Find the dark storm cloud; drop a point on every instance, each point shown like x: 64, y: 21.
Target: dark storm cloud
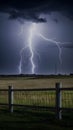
x: 31, y: 9
x: 27, y: 15
x: 22, y: 10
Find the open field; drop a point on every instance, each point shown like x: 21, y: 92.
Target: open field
x: 36, y: 118
x: 37, y: 98
x: 28, y: 82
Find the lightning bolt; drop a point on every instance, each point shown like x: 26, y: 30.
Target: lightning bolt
x: 30, y: 45
x: 56, y: 43
x: 20, y: 64
x: 31, y: 49
x: 33, y: 31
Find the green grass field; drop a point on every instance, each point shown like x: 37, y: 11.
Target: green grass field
x: 35, y: 119
x: 44, y: 98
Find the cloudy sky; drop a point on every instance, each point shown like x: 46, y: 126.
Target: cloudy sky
x: 36, y: 36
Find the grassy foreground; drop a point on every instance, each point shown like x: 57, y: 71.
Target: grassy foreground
x: 32, y: 119
x: 37, y: 98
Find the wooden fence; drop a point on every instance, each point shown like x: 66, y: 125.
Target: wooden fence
x: 55, y: 101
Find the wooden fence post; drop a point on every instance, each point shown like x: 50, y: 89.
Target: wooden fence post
x: 10, y: 98
x: 58, y: 101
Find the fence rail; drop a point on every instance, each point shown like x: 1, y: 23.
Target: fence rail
x: 57, y: 98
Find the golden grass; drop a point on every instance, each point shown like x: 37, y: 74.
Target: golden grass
x: 22, y: 82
